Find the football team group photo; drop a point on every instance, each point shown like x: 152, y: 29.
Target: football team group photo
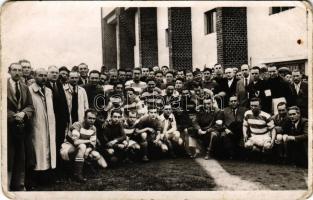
x: 156, y: 98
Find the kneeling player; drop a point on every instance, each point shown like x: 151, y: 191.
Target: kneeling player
x: 258, y: 128
x: 170, y: 128
x: 129, y: 127
x: 82, y: 140
x: 112, y: 137
x: 146, y: 130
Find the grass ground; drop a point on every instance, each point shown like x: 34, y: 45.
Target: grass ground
x: 190, y: 175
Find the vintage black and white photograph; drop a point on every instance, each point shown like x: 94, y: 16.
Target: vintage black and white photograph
x: 165, y: 97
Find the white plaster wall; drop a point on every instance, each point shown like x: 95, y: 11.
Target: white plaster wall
x: 273, y: 38
x: 204, y: 47
x: 162, y: 23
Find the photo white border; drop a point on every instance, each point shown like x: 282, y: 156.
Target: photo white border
x: 86, y: 195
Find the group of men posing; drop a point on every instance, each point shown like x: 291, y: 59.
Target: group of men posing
x: 57, y: 115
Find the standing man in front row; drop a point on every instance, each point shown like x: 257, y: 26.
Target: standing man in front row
x: 20, y: 112
x: 43, y: 125
x: 258, y: 128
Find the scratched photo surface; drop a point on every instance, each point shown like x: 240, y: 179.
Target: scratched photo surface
x: 156, y: 100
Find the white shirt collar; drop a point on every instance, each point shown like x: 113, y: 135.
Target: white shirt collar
x: 12, y: 82
x: 162, y: 118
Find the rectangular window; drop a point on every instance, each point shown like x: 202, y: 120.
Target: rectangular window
x: 274, y: 10
x: 166, y: 37
x: 210, y: 21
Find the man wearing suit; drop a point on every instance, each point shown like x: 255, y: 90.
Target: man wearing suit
x: 233, y: 119
x: 230, y: 89
x: 241, y: 89
x: 83, y: 70
x: 56, y: 83
x: 299, y: 90
x: 296, y: 137
x: 204, y: 124
x: 278, y: 89
x: 26, y: 67
x: 19, y: 113
x: 257, y: 89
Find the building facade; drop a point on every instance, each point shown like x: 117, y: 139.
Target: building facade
x: 196, y: 37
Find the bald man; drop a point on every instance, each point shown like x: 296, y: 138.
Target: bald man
x: 61, y: 109
x: 230, y: 89
x: 43, y: 123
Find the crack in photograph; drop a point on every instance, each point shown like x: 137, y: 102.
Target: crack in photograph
x: 158, y: 97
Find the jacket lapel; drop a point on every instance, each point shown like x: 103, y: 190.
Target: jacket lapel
x: 303, y: 89
x: 24, y: 94
x: 10, y: 95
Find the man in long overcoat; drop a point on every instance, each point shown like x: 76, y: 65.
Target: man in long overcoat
x: 43, y: 123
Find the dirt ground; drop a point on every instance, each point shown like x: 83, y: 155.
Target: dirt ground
x: 190, y: 175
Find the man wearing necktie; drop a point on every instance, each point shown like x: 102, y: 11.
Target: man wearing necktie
x: 19, y: 113
x: 56, y: 79
x: 27, y: 69
x: 296, y: 137
x: 203, y: 125
x: 300, y: 93
x: 76, y: 98
x: 53, y: 75
x: 233, y: 118
x: 242, y: 86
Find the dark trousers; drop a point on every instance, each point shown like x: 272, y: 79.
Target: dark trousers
x: 218, y: 143
x: 297, y: 152
x: 16, y: 163
x: 60, y: 136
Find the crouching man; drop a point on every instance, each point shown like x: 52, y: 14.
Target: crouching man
x: 112, y: 138
x: 129, y: 128
x: 258, y: 128
x: 146, y: 130
x: 172, y: 135
x: 81, y: 143
x: 295, y: 138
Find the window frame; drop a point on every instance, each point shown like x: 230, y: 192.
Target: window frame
x: 210, y: 21
x: 277, y: 10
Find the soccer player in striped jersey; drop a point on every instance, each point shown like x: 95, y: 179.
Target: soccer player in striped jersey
x: 258, y: 128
